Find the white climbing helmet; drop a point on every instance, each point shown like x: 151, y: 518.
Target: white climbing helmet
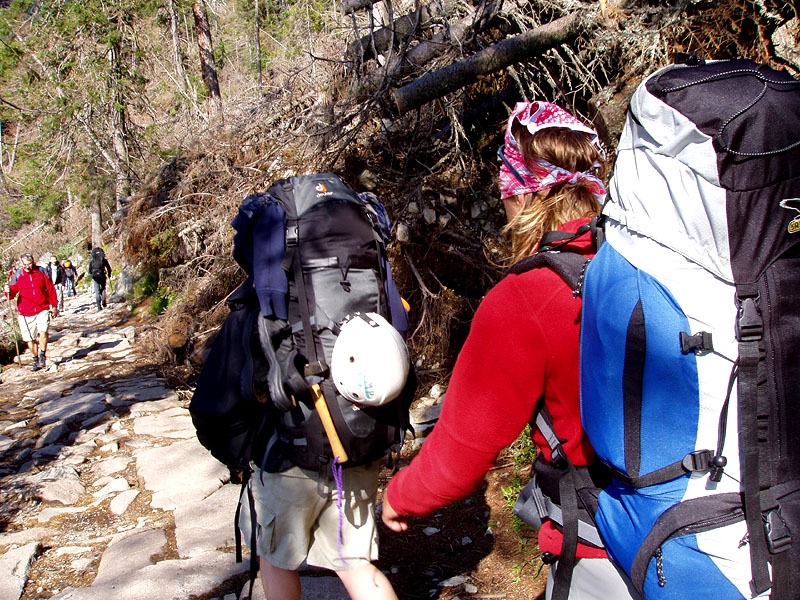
x: 369, y: 363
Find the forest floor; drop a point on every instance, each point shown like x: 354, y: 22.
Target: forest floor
x: 479, y: 549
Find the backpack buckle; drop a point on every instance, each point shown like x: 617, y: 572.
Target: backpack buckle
x: 779, y: 538
x: 749, y: 324
x: 699, y: 460
x: 700, y: 343
x: 318, y: 368
x: 292, y: 234
x: 558, y: 458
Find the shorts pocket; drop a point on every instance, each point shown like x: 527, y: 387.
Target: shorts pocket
x: 265, y: 535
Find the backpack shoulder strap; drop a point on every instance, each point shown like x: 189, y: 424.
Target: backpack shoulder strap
x: 554, y: 254
x: 376, y: 211
x: 570, y: 266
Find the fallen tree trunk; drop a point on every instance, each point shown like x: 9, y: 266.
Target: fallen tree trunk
x: 379, y: 41
x: 418, y: 56
x: 351, y: 6
x: 508, y: 52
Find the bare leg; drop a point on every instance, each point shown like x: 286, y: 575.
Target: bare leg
x: 279, y: 584
x: 367, y: 583
x: 33, y: 345
x: 42, y: 348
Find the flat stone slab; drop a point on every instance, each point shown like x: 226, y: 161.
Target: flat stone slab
x: 327, y: 587
x: 142, y: 408
x: 70, y: 409
x: 128, y: 552
x: 165, y: 580
x: 172, y: 423
x: 207, y: 525
x: 183, y: 473
x: 14, y: 568
x: 57, y: 484
x: 31, y: 534
x: 122, y: 501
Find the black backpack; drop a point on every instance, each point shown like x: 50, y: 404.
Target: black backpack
x: 96, y: 267
x: 314, y: 252
x: 230, y: 407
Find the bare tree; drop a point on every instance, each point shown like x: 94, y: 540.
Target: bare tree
x: 176, y: 45
x: 121, y: 163
x: 438, y: 83
x: 258, y: 48
x: 206, y: 47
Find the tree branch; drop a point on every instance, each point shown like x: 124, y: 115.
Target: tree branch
x: 508, y: 52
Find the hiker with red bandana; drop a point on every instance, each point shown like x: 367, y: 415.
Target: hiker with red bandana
x: 37, y: 303
x: 523, y: 348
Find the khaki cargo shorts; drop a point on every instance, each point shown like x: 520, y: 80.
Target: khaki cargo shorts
x: 299, y: 520
x: 30, y: 327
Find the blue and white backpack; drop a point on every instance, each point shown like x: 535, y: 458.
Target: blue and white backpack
x: 690, y: 352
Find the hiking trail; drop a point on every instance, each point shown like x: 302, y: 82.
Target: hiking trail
x: 104, y: 490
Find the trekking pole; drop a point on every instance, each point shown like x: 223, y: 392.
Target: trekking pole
x: 327, y: 423
x: 11, y: 315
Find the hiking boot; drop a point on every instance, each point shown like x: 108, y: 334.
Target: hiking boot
x: 35, y: 366
x: 42, y: 362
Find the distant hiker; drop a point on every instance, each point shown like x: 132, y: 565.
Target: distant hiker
x: 36, y: 304
x: 522, y: 353
x: 72, y: 275
x: 99, y: 271
x: 55, y: 271
x: 13, y: 272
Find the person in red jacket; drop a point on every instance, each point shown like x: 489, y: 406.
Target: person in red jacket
x: 36, y: 304
x: 523, y: 344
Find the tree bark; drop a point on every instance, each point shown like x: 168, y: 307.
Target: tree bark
x: 508, y: 52
x: 95, y: 209
x: 206, y: 47
x: 418, y: 56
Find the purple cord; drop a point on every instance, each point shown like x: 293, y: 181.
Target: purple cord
x: 337, y: 477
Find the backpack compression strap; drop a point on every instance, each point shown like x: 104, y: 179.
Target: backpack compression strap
x: 577, y: 492
x: 587, y: 531
x: 769, y: 534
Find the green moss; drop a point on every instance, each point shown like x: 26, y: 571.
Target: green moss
x: 161, y: 302
x: 145, y: 287
x: 164, y: 243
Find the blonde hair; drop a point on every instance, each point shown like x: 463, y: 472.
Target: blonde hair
x: 546, y: 210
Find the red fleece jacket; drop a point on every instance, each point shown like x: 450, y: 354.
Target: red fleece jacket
x: 523, y: 342
x: 36, y: 292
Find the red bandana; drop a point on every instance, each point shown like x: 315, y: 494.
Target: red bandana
x: 518, y: 178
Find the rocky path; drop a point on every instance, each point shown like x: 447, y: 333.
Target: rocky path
x: 105, y: 492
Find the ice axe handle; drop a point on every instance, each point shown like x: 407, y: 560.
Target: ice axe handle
x: 327, y: 423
